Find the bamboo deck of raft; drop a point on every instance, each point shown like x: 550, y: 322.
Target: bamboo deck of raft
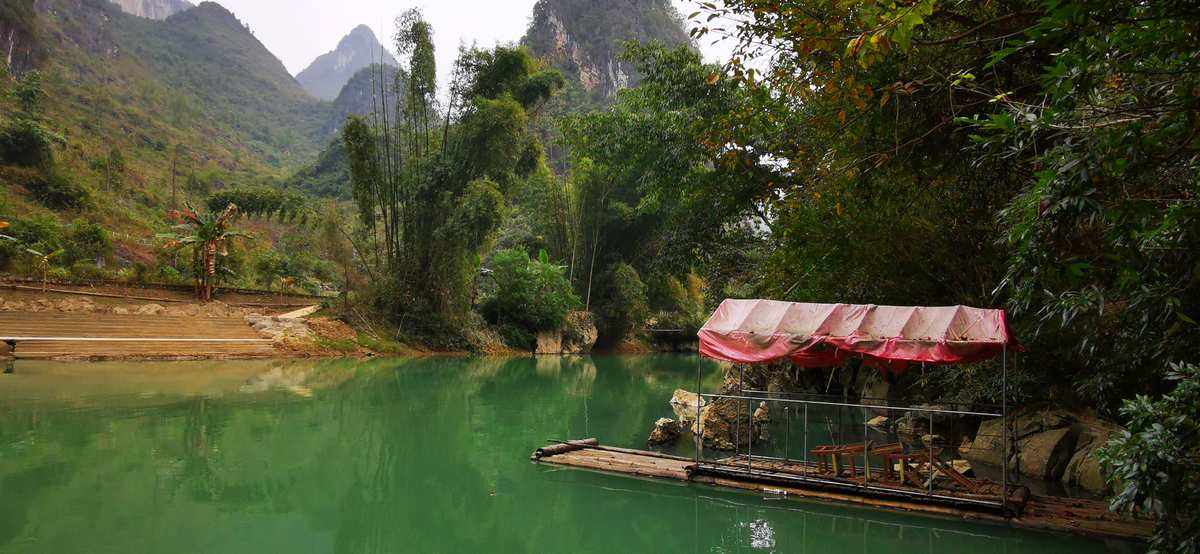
x: 1068, y: 515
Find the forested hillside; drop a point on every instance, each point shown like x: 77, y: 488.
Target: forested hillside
x: 231, y: 77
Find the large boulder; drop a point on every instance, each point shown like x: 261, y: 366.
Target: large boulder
x: 716, y: 425
x: 1045, y: 455
x: 1084, y: 469
x: 150, y: 309
x: 577, y: 336
x: 579, y: 333
x: 684, y: 405
x: 665, y: 430
x: 724, y: 421
x: 1050, y: 444
x: 280, y: 330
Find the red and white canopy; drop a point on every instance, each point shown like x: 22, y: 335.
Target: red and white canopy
x: 824, y: 335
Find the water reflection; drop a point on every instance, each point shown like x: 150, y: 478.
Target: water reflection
x: 427, y: 455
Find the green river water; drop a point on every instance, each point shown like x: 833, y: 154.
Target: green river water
x: 422, y: 455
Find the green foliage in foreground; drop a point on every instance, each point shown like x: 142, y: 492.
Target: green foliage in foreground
x: 531, y: 293
x: 1155, y: 464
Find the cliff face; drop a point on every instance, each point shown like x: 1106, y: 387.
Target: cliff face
x: 153, y: 9
x: 330, y: 72
x: 582, y: 38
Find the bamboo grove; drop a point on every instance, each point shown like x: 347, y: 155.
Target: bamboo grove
x: 432, y: 181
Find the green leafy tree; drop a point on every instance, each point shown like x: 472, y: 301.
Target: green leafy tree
x: 625, y: 309
x: 1155, y: 464
x: 659, y: 166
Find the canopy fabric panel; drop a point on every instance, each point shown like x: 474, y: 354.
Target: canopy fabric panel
x: 824, y: 335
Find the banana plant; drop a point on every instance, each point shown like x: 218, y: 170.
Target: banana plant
x: 209, y: 235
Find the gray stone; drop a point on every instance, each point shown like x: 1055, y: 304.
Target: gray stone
x: 1048, y: 446
x: 684, y: 405
x: 579, y: 333
x: 1084, y: 469
x: 1046, y: 455
x: 665, y: 430
x: 879, y: 423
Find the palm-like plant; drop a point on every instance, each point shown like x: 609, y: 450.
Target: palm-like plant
x: 42, y: 259
x: 43, y: 264
x: 209, y: 235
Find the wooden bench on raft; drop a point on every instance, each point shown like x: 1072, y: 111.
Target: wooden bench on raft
x: 828, y: 456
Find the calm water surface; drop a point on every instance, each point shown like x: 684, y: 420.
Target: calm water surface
x: 426, y: 455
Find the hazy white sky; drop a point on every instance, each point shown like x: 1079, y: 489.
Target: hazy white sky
x: 298, y: 31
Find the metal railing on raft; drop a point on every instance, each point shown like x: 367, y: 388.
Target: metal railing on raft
x: 1006, y: 439
x: 743, y: 462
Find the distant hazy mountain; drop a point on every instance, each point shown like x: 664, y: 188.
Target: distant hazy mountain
x: 330, y: 72
x: 582, y: 38
x: 361, y: 95
x: 153, y: 9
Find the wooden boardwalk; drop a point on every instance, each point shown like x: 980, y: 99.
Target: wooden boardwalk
x: 1076, y: 516
x: 53, y: 335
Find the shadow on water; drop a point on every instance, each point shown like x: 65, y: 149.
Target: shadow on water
x: 420, y: 455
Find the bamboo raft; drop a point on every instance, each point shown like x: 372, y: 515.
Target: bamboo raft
x: 1082, y: 517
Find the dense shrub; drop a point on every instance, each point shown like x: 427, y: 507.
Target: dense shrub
x: 531, y: 294
x: 58, y: 192
x: 26, y: 143
x: 295, y: 259
x: 87, y: 271
x: 683, y: 304
x: 86, y: 241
